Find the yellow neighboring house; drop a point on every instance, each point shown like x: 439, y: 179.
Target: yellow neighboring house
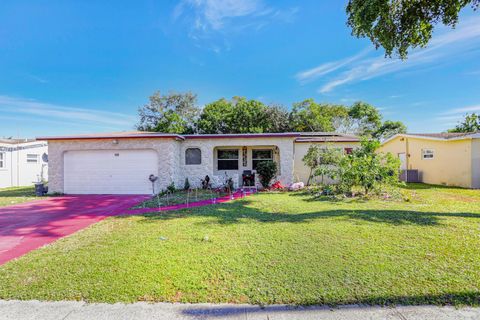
x: 441, y: 158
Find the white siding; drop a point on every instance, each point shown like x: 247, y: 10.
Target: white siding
x: 17, y: 171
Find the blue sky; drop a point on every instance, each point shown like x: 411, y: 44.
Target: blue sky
x: 70, y: 67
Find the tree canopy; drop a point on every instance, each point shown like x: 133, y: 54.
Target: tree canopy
x: 471, y: 123
x: 309, y: 115
x: 170, y: 113
x: 388, y: 129
x: 239, y: 115
x: 399, y: 25
x: 179, y: 113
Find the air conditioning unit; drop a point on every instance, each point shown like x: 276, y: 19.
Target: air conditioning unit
x: 409, y: 175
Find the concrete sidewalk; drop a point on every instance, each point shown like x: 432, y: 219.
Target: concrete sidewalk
x: 159, y: 311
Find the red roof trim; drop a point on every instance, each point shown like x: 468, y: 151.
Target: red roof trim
x: 110, y: 137
x: 241, y: 135
x: 324, y: 141
x: 300, y: 136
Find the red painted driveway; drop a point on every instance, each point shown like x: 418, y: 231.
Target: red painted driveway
x: 28, y: 226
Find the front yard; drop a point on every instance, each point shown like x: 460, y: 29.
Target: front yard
x: 9, y: 196
x: 269, y: 248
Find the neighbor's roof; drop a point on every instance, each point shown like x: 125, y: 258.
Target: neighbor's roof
x: 301, y: 136
x: 326, y: 137
x: 443, y: 136
x: 15, y: 141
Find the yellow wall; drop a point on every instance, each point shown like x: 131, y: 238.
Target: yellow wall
x: 451, y: 165
x: 300, y: 171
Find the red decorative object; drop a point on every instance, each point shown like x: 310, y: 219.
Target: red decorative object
x: 277, y: 186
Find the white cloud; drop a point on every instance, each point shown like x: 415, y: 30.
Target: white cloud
x: 346, y: 78
x: 208, y: 16
x: 453, y: 116
x: 442, y: 47
x: 463, y: 110
x: 48, y: 111
x: 329, y: 67
x: 37, y: 78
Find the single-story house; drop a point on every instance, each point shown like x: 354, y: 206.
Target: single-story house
x: 441, y: 158
x: 121, y: 163
x: 22, y: 162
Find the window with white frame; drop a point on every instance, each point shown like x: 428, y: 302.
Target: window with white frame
x: 227, y: 159
x: 428, y: 154
x: 2, y: 160
x: 32, y: 158
x: 261, y: 155
x: 193, y: 156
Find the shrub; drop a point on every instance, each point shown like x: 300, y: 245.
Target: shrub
x: 171, y: 187
x: 322, y: 161
x: 186, y: 185
x: 367, y: 169
x: 267, y: 170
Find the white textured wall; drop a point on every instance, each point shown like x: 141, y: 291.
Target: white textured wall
x: 167, y: 150
x: 197, y: 172
x: 171, y: 157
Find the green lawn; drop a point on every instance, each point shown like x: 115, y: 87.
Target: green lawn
x: 9, y: 196
x: 269, y: 248
x: 180, y: 197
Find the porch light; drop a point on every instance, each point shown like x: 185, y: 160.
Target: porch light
x: 115, y: 141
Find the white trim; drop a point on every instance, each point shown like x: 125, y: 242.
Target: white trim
x: 424, y: 152
x: 259, y: 159
x: 228, y: 149
x: 3, y: 160
x: 32, y: 157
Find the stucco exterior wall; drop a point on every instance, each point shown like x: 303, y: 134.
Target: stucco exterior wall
x: 171, y: 158
x: 301, y: 172
x: 167, y: 150
x: 195, y: 173
x: 476, y: 163
x: 451, y: 165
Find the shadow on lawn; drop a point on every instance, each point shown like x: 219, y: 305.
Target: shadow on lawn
x: 469, y: 298
x: 17, y: 192
x: 238, y: 211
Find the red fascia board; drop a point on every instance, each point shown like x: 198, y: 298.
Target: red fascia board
x: 246, y: 135
x: 110, y: 137
x: 325, y: 141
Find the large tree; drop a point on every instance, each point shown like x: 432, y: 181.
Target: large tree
x: 398, y: 25
x: 471, y: 123
x: 364, y: 118
x: 309, y: 115
x: 388, y: 129
x: 170, y: 113
x: 240, y: 115
x: 215, y: 117
x: 248, y: 116
x: 278, y: 119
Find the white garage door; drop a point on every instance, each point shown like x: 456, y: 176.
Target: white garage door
x: 109, y: 171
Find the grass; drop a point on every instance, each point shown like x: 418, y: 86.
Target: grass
x: 180, y: 197
x: 9, y: 196
x: 269, y: 248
